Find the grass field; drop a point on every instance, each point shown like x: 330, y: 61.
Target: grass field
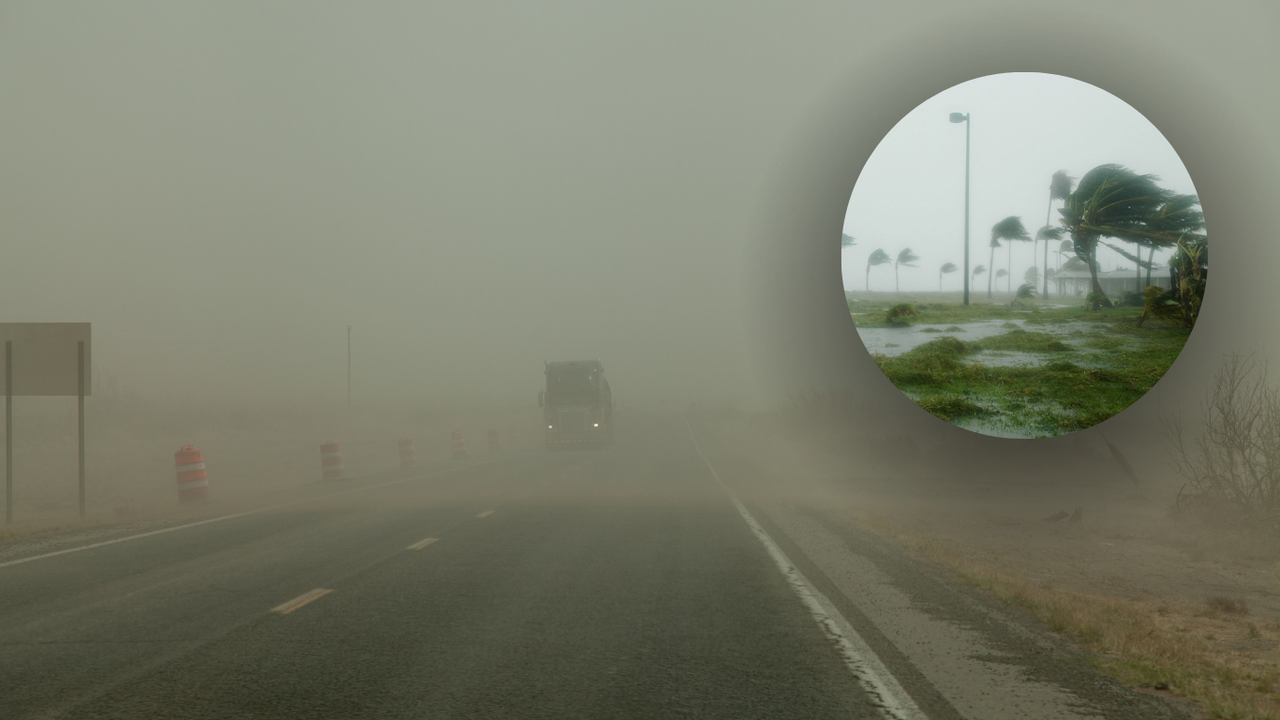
x: 1050, y: 370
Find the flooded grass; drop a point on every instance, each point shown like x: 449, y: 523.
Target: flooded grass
x: 1059, y: 370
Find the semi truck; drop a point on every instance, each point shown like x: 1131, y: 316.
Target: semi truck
x: 577, y: 405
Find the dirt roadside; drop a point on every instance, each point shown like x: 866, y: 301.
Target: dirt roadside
x: 1166, y: 606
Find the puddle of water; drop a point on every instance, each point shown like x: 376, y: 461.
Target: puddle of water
x: 895, y: 341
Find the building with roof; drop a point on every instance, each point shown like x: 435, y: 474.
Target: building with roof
x: 1114, y: 283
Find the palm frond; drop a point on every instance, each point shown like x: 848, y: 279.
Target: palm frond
x: 949, y: 268
x: 846, y: 240
x: 1010, y: 228
x: 1130, y: 257
x: 906, y: 257
x: 1113, y: 201
x: 878, y: 257
x: 979, y: 269
x: 1049, y: 232
x: 1060, y: 185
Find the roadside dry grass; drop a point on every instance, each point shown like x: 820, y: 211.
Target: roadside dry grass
x: 1212, y: 653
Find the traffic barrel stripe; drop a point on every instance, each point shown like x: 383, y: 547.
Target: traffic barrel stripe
x: 408, y: 456
x: 193, y: 482
x: 331, y: 461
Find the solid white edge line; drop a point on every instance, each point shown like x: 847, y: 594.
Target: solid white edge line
x: 861, y: 660
x: 33, y: 558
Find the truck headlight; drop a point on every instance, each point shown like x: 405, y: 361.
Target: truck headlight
x: 596, y: 425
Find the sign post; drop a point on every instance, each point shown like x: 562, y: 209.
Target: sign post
x: 44, y: 359
x: 8, y: 431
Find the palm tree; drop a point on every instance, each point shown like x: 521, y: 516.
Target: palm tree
x: 1177, y: 217
x: 1026, y: 291
x: 847, y: 241
x: 978, y: 270
x: 1007, y: 229
x: 1112, y: 201
x: 946, y: 268
x: 1032, y: 276
x: 905, y: 258
x: 1001, y: 273
x: 1059, y: 189
x: 1047, y: 233
x: 879, y: 257
x: 1066, y: 247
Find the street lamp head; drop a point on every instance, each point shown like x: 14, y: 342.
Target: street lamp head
x: 959, y: 117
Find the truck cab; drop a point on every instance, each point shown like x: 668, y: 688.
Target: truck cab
x: 577, y: 405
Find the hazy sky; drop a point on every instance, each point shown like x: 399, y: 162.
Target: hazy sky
x: 1026, y: 126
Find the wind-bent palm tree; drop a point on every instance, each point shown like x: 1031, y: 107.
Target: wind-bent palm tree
x: 978, y: 270
x: 1001, y: 273
x: 1112, y: 201
x: 905, y: 258
x: 879, y: 257
x: 946, y: 268
x: 1008, y: 229
x: 1066, y: 247
x: 1032, y: 276
x: 1059, y: 189
x: 1178, y: 219
x: 847, y: 241
x: 1048, y: 233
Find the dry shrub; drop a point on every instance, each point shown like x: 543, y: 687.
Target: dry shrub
x: 1232, y: 463
x: 1230, y: 606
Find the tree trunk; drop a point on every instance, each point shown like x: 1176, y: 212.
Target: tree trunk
x: 1093, y: 274
x: 1045, y: 291
x: 1150, y: 261
x: 1008, y: 284
x: 896, y: 287
x: 868, y: 277
x: 991, y: 271
x: 1137, y: 264
x: 1047, y: 213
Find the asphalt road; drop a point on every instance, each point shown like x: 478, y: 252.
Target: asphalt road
x: 650, y: 579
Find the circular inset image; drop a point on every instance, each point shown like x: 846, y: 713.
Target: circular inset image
x: 1024, y: 255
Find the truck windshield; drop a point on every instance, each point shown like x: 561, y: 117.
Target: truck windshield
x: 571, y: 385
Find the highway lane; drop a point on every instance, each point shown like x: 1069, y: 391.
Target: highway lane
x: 621, y: 583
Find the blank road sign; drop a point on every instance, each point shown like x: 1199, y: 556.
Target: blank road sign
x: 45, y: 358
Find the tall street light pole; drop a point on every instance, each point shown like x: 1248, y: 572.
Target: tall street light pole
x: 348, y: 368
x: 964, y: 118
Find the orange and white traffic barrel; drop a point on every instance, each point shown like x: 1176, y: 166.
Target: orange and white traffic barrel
x: 494, y: 445
x: 408, y: 458
x: 459, y: 444
x: 193, y: 482
x: 331, y: 461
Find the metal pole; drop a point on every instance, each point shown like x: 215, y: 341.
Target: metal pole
x: 967, y: 124
x: 80, y: 350
x: 348, y: 368
x: 8, y: 431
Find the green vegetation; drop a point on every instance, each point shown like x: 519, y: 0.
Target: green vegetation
x: 900, y: 315
x: 1105, y: 364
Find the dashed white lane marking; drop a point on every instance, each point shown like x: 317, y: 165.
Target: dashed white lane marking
x: 486, y: 513
x: 421, y: 544
x: 861, y: 660
x: 175, y: 528
x: 301, y: 600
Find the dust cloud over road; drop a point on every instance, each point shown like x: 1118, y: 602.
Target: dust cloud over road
x: 224, y: 190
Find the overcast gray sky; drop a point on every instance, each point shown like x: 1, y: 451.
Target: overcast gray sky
x: 1026, y: 126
